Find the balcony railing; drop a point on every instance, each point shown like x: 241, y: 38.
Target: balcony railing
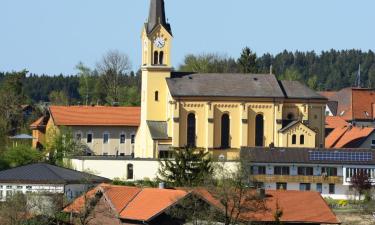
x: 297, y: 179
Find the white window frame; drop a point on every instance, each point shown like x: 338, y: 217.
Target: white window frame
x: 131, y: 139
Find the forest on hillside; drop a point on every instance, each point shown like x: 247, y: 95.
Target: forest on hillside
x: 109, y: 84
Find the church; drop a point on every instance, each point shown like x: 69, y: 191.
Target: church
x: 220, y: 113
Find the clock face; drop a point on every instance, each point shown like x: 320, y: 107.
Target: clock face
x: 159, y: 42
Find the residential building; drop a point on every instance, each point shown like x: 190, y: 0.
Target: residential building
x: 355, y: 105
x: 341, y: 134
x: 218, y: 112
x: 322, y: 170
x: 43, y: 178
x: 38, y: 131
x: 103, y: 130
x: 132, y: 205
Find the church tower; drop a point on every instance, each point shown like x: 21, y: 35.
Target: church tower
x: 156, y: 63
x: 156, y: 67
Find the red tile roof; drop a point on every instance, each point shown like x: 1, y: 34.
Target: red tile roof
x: 335, y: 121
x: 354, y: 103
x: 347, y: 137
x: 152, y: 201
x: 143, y: 204
x: 133, y: 203
x: 95, y: 116
x: 335, y: 136
x: 297, y: 207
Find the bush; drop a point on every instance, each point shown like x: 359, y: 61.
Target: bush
x: 342, y: 203
x: 138, y: 183
x: 21, y: 155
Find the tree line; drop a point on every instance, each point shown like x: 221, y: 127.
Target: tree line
x: 330, y: 70
x: 112, y: 82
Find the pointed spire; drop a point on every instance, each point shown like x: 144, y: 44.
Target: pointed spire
x: 157, y: 16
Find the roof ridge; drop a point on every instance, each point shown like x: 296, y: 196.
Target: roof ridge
x: 131, y: 200
x: 47, y: 166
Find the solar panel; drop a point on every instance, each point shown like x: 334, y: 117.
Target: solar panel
x: 340, y: 156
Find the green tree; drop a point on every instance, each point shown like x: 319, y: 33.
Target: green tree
x: 61, y: 144
x: 11, y: 99
x: 112, y: 68
x: 312, y: 82
x: 209, y: 63
x: 189, y: 167
x: 291, y: 75
x: 247, y: 61
x: 59, y: 98
x: 21, y: 155
x: 87, y: 82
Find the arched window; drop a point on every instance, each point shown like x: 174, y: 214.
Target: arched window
x: 302, y: 139
x: 191, y: 130
x: 156, y: 57
x: 161, y: 58
x: 156, y: 96
x: 225, y: 131
x: 130, y: 172
x: 259, y: 130
x: 294, y: 139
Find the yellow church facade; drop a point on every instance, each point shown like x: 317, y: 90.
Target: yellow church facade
x: 218, y: 112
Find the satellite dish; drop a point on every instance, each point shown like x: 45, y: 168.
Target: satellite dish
x: 221, y: 157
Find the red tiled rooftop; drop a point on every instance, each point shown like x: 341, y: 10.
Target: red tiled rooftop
x: 150, y: 202
x: 347, y: 136
x: 95, y: 116
x: 354, y: 103
x: 335, y: 121
x: 143, y: 204
x: 352, y: 135
x: 297, y: 207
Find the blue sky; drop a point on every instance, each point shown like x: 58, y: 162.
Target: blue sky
x: 52, y: 36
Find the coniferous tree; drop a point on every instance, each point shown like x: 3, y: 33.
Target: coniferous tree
x: 247, y: 61
x: 188, y: 168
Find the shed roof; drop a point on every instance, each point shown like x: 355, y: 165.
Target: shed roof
x: 158, y: 130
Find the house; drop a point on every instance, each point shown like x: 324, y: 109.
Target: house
x: 218, y: 112
x: 351, y: 137
x: 103, y: 130
x: 327, y: 171
x: 38, y: 129
x: 355, y: 105
x: 341, y: 134
x: 133, y: 205
x: 45, y: 178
